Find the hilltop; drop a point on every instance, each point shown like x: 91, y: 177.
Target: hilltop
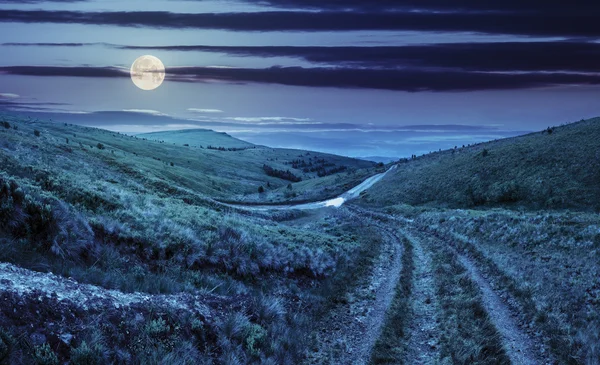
x: 197, y: 138
x: 556, y: 168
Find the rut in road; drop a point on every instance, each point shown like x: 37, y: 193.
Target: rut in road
x: 423, y: 343
x: 348, y: 334
x: 518, y: 345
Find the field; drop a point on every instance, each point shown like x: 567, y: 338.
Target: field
x: 119, y: 249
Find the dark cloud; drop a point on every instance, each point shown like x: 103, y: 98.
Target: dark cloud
x: 401, y: 80
x: 513, y: 56
x: 559, y: 24
x: 535, y: 6
x: 14, y: 44
x: 497, y: 56
x: 39, y: 1
x: 65, y: 71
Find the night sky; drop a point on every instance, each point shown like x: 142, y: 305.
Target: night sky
x: 358, y: 78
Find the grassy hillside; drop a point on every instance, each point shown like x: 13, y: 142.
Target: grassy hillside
x: 197, y: 138
x: 111, y: 211
x: 556, y: 168
x: 224, y: 175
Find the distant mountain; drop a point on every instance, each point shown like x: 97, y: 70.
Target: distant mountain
x: 556, y: 168
x: 197, y: 137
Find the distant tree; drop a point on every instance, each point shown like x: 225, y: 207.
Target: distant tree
x: 485, y: 152
x: 36, y: 133
x: 290, y: 187
x: 172, y: 164
x: 100, y: 146
x: 6, y: 124
x: 549, y: 130
x: 261, y: 189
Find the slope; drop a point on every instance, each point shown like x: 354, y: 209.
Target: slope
x: 557, y: 168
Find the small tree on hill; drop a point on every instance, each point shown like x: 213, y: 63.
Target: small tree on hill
x: 261, y: 189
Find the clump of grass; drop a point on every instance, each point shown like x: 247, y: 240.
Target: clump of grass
x: 6, y: 346
x: 43, y: 355
x: 87, y: 355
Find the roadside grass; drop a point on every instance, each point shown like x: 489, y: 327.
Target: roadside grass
x: 547, y: 262
x: 390, y: 347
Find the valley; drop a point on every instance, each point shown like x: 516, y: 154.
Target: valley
x: 152, y: 249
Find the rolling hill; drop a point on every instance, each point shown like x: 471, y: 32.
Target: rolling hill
x: 556, y: 168
x: 197, y: 138
x: 100, y: 227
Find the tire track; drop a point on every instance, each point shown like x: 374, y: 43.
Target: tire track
x: 423, y: 345
x: 518, y: 345
x: 349, y: 332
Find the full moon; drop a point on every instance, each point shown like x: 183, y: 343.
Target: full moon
x: 147, y: 72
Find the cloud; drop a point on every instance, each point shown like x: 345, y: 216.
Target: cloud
x: 145, y: 111
x: 496, y: 56
x: 412, y: 80
x: 8, y: 96
x: 271, y: 120
x: 205, y: 111
x: 537, y: 6
x: 565, y: 23
x: 80, y: 71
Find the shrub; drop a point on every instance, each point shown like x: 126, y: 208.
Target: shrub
x: 43, y: 355
x: 255, y: 338
x: 6, y: 343
x: 158, y: 328
x: 261, y: 189
x: 6, y: 125
x: 285, y: 175
x: 36, y: 132
x: 485, y: 152
x: 86, y: 355
x: 100, y: 146
x: 172, y: 164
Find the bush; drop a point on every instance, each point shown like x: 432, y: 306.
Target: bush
x: 261, y: 189
x: 36, y: 132
x: 86, y: 355
x: 43, y: 355
x: 100, y: 146
x: 285, y: 175
x: 6, y: 343
x: 485, y: 152
x: 6, y: 125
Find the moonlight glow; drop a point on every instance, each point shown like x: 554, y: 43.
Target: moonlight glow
x: 147, y: 72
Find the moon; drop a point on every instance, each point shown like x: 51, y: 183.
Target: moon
x: 147, y: 72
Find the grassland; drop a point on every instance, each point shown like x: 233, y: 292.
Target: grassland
x: 111, y: 211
